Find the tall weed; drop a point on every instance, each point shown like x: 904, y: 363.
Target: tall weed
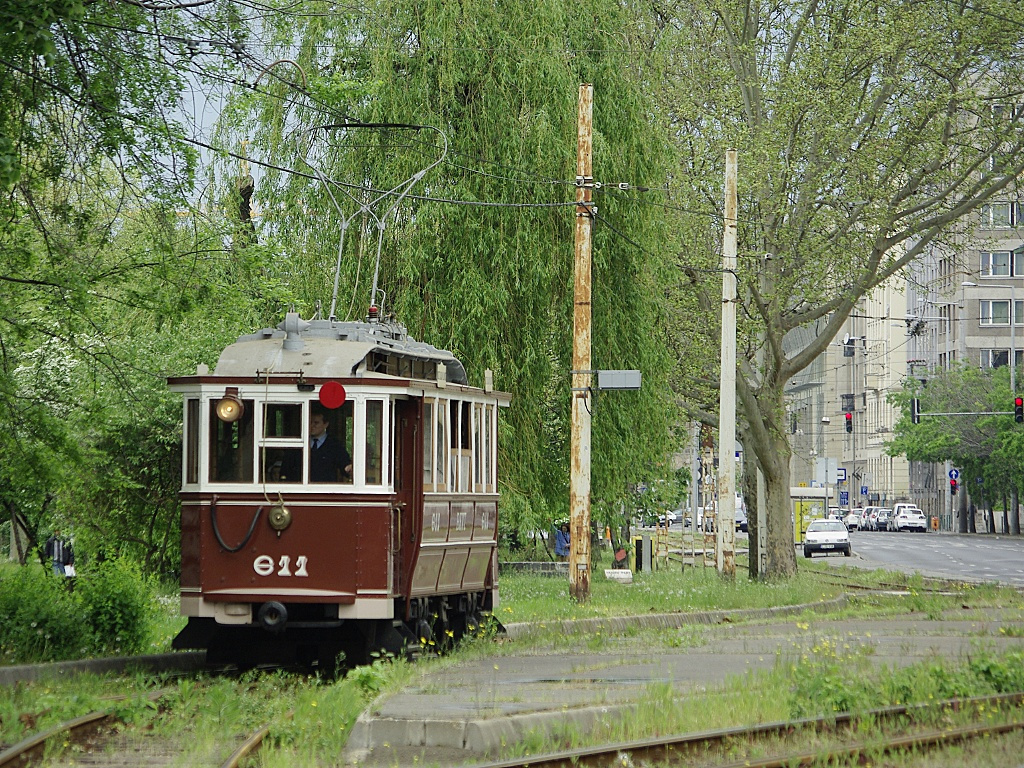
x: 40, y: 619
x: 118, y: 602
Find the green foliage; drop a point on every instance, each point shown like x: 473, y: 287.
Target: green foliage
x: 109, y: 611
x: 491, y: 282
x: 118, y: 602
x: 369, y: 679
x: 980, y: 446
x: 864, y: 139
x: 40, y: 620
x: 822, y: 684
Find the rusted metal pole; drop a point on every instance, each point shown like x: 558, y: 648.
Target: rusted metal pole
x: 726, y: 523
x: 579, y: 475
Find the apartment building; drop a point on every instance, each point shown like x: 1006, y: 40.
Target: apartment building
x: 962, y: 298
x: 840, y: 416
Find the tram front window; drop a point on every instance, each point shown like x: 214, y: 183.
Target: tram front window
x: 330, y: 444
x: 231, y: 446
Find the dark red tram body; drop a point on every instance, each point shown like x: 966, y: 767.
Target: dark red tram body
x: 280, y: 566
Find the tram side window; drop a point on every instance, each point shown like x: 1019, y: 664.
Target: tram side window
x: 231, y: 446
x: 441, y: 446
x: 479, y: 447
x: 192, y: 441
x: 329, y: 462
x: 461, y: 464
x: 428, y: 445
x: 487, y: 449
x: 374, y: 441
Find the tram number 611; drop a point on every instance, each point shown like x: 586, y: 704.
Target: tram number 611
x: 264, y: 565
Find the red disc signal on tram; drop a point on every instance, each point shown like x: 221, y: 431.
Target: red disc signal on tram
x: 332, y: 395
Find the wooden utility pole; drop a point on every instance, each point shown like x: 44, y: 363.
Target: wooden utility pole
x: 726, y: 522
x: 579, y: 480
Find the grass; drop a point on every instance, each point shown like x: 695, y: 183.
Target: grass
x: 312, y: 718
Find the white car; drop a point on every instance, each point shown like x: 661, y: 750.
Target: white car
x: 852, y: 520
x: 827, y: 536
x: 910, y: 519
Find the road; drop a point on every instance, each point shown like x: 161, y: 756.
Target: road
x: 984, y: 557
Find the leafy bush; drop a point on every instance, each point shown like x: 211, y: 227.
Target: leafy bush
x: 40, y: 620
x: 118, y: 601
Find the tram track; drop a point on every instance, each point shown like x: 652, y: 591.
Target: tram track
x: 94, y: 734
x: 904, y: 726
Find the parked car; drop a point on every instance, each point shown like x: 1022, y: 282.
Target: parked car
x: 910, y: 519
x: 901, y: 505
x: 668, y: 517
x: 882, y: 519
x: 827, y: 536
x: 852, y: 520
x: 865, y: 513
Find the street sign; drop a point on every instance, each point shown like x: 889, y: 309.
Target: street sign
x: 954, y: 474
x: 844, y: 498
x: 841, y: 474
x: 863, y: 490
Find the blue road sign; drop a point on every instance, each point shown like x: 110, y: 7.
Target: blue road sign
x: 863, y: 490
x: 954, y: 474
x: 844, y: 498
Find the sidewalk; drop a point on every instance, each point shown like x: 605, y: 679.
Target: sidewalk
x: 463, y: 712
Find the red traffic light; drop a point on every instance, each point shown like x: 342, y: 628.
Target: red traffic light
x: 849, y: 422
x: 1018, y: 409
x: 953, y: 487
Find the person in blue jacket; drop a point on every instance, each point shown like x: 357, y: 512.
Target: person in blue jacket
x: 562, y: 542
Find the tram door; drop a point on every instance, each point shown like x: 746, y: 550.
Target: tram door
x: 406, y: 474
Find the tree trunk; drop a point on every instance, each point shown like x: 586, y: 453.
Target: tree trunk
x: 1014, y: 513
x: 771, y: 445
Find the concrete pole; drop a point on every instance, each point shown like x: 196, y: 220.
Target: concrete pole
x: 1013, y: 341
x: 725, y: 527
x: 579, y: 481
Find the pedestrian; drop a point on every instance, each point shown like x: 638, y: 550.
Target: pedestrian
x: 562, y: 542
x: 61, y: 554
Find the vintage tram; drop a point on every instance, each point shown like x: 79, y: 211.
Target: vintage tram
x: 289, y: 558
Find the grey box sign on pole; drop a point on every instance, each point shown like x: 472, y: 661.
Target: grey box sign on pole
x: 618, y: 379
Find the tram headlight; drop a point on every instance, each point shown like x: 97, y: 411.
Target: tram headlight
x: 229, y: 408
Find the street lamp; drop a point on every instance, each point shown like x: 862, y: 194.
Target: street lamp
x: 1013, y: 323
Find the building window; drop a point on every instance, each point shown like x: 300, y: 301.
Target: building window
x: 995, y: 264
x: 997, y: 358
x: 1002, y: 263
x: 997, y: 215
x: 998, y: 312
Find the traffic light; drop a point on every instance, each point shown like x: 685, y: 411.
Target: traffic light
x: 953, y: 487
x: 1018, y: 409
x: 849, y: 422
x: 915, y: 411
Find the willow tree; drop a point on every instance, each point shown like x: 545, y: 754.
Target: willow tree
x: 478, y: 257
x: 867, y: 131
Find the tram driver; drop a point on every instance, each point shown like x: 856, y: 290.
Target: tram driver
x: 329, y: 462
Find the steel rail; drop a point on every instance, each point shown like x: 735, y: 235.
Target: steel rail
x: 249, y: 745
x: 679, y: 746
x: 21, y: 753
